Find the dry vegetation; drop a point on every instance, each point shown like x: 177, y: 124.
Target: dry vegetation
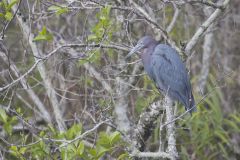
x: 67, y: 92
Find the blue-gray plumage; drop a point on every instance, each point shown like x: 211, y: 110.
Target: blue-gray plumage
x: 165, y: 67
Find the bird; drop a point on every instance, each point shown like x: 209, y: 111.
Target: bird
x: 164, y: 66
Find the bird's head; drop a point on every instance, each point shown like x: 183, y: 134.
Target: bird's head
x: 144, y: 42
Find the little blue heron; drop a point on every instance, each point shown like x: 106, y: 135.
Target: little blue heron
x: 164, y: 66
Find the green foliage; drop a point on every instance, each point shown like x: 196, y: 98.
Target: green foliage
x: 58, y: 9
x: 108, y: 140
x: 7, y: 121
x: 102, y: 32
x: 107, y: 144
x: 39, y: 150
x: 69, y: 145
x: 93, y: 57
x: 6, y: 8
x: 43, y: 35
x: 18, y: 151
x: 103, y: 27
x: 76, y: 129
x: 210, y: 131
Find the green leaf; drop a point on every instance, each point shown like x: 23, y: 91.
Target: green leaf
x: 123, y: 156
x: 22, y: 150
x: 62, y: 10
x: 54, y: 8
x: 1, y: 15
x: 93, y: 152
x: 11, y: 4
x: 58, y: 9
x: 44, y: 31
x: 223, y: 136
x: 76, y: 129
x: 14, y: 148
x: 68, y: 152
x: 83, y: 61
x: 42, y: 144
x: 101, y: 151
x: 104, y: 140
x: 92, y: 37
x: 103, y: 18
x: 4, y: 4
x: 42, y: 133
x: 223, y: 149
x: 19, y: 110
x: 89, y: 81
x: 52, y: 129
x: 43, y: 35
x: 8, y: 128
x: 3, y: 115
x: 13, y: 120
x: 80, y: 148
x: 40, y: 38
x: 114, y: 137
x: 8, y: 16
x: 71, y: 148
x: 235, y: 117
x: 232, y: 125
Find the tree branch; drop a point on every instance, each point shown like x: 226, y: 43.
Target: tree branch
x: 158, y: 29
x: 35, y: 99
x: 46, y: 57
x: 174, y: 19
x: 42, y: 70
x: 201, y: 30
x: 172, y: 150
x: 146, y: 124
x: 206, y: 56
x: 151, y: 155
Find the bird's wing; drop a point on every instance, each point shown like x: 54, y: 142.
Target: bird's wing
x: 169, y: 73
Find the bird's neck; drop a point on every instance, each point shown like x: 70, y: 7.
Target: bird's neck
x: 146, y: 54
x: 146, y: 57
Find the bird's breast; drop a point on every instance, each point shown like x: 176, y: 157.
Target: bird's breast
x: 146, y: 59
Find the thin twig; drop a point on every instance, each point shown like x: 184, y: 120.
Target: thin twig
x: 42, y: 59
x: 81, y: 136
x: 202, y: 29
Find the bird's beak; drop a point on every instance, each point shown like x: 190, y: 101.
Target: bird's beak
x: 134, y: 50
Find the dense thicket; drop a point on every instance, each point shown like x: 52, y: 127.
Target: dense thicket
x: 66, y: 91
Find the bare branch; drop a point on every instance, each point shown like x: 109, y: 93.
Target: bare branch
x: 146, y: 124
x: 206, y: 56
x: 42, y: 70
x: 29, y: 70
x: 202, y: 29
x: 42, y: 59
x: 35, y: 99
x: 151, y: 155
x: 174, y: 19
x: 172, y: 150
x: 206, y: 2
x: 158, y: 29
